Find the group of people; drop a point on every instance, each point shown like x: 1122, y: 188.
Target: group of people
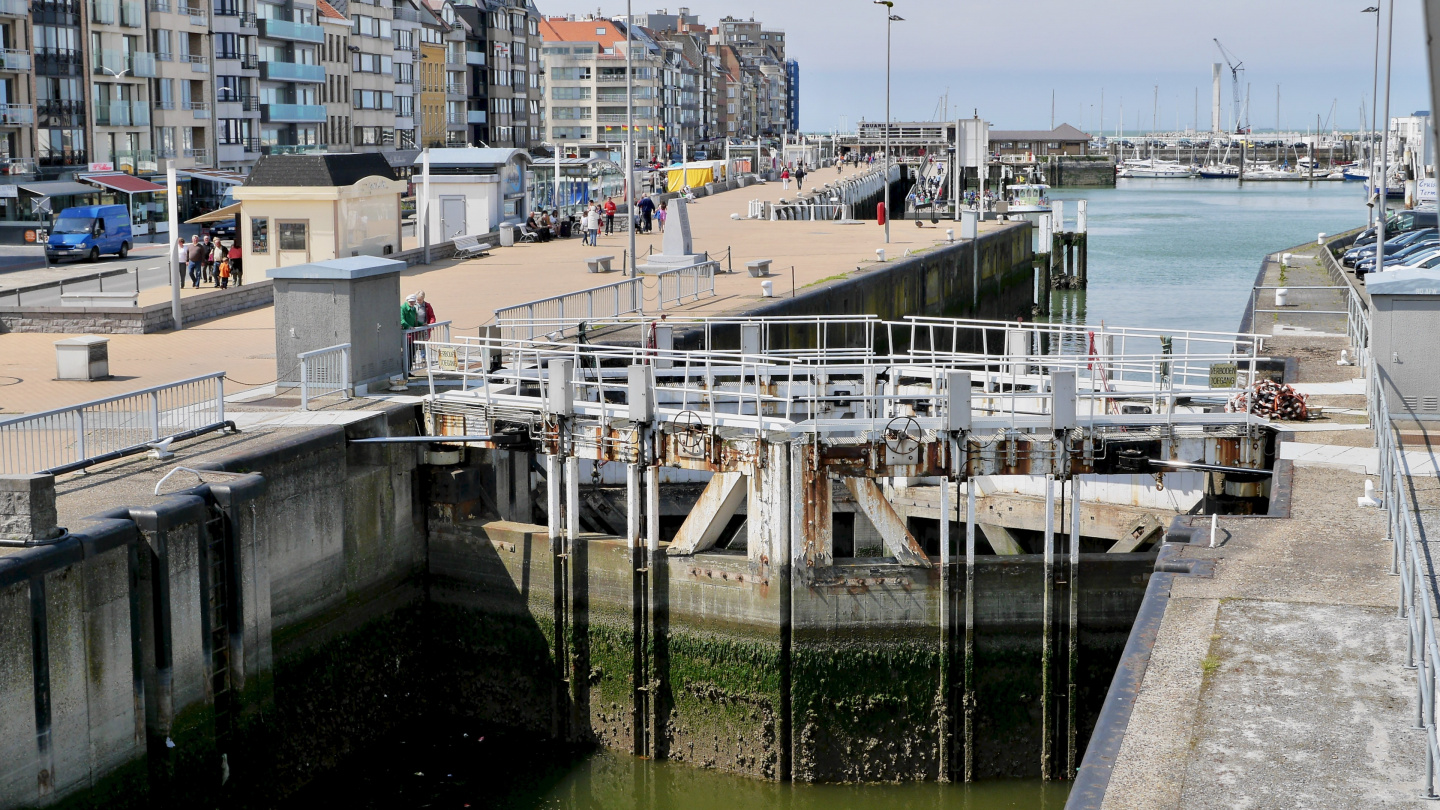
x: 596, y: 217
x: 798, y: 175
x: 415, y: 313
x: 210, y: 261
x: 545, y: 225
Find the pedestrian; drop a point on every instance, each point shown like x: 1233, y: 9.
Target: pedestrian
x: 609, y: 215
x: 409, y: 319
x: 426, y: 316
x: 217, y: 255
x: 195, y: 260
x: 181, y: 260
x: 592, y: 224
x: 236, y: 268
x: 223, y: 270
x: 800, y: 178
x: 661, y: 214
x: 785, y: 179
x: 647, y: 211
x: 207, y: 260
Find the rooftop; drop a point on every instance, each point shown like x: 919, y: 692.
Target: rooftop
x: 318, y: 170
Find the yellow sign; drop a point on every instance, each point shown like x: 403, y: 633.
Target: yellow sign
x: 447, y: 359
x: 1222, y: 375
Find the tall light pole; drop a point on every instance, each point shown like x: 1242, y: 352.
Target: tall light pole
x: 1384, y: 144
x: 629, y: 138
x: 889, y: 18
x: 1374, y: 91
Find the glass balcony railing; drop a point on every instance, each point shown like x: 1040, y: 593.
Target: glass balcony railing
x: 113, y: 114
x: 292, y: 72
x: 103, y: 12
x: 200, y: 108
x: 302, y: 113
x: 293, y: 149
x: 14, y: 8
x: 198, y: 63
x: 132, y: 14
x: 16, y: 115
x: 476, y: 116
x: 298, y: 32
x: 139, y: 114
x: 12, y: 59
x: 142, y: 64
x: 109, y: 62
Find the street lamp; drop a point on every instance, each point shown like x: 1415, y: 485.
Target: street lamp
x: 889, y: 18
x: 1384, y: 143
x: 1374, y: 91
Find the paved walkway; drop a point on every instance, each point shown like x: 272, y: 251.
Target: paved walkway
x: 1280, y: 681
x: 469, y: 292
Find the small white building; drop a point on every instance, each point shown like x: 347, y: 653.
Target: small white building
x: 472, y: 190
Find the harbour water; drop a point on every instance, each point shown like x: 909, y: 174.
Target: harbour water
x: 1184, y: 253
x: 1162, y: 253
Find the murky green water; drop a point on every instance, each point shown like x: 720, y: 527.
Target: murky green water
x: 459, y: 769
x: 1184, y: 253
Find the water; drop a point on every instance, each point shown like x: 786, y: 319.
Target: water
x: 459, y: 769
x: 1164, y: 254
x: 1184, y: 253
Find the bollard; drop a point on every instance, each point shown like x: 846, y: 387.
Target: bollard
x: 1281, y: 296
x: 767, y: 289
x: 949, y: 234
x: 1285, y: 259
x: 880, y: 254
x: 1320, y: 240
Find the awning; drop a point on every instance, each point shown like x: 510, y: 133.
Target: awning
x: 58, y: 188
x: 127, y: 183
x: 213, y: 175
x: 218, y: 215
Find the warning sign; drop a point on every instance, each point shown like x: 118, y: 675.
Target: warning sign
x: 1222, y: 375
x: 447, y: 360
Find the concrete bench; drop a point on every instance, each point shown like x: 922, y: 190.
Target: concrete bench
x: 759, y: 267
x: 599, y: 264
x: 470, y: 246
x: 98, y: 299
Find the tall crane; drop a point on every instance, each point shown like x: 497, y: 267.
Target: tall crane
x: 1236, y: 69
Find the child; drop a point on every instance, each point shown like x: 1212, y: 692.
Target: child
x: 225, y: 273
x: 661, y: 214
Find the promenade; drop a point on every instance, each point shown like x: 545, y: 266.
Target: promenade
x: 467, y: 293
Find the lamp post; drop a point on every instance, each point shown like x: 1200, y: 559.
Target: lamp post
x: 630, y: 138
x: 1374, y: 91
x: 889, y: 18
x: 1384, y: 146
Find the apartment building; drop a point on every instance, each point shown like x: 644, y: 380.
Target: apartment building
x: 585, y: 83
x: 121, y: 68
x: 514, y: 92
x: 235, y: 86
x: 477, y: 73
x: 17, y: 94
x: 371, y: 85
x: 430, y: 81
x: 755, y: 57
x: 405, y: 33
x: 335, y: 91
x: 457, y: 127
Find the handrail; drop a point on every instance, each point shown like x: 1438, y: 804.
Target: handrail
x: 410, y: 336
x: 77, y: 436
x: 325, y: 371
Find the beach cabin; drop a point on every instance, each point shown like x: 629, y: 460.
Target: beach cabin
x: 472, y: 190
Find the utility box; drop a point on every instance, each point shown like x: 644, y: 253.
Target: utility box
x: 1405, y: 342
x: 354, y: 300
x: 82, y: 358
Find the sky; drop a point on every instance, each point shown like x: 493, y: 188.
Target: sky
x: 1005, y: 59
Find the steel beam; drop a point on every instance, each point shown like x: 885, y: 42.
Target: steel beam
x: 705, y: 523
x: 898, y: 540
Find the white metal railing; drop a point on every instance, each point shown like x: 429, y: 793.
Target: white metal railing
x: 324, y: 371
x: 686, y: 283
x: 809, y: 211
x: 563, y: 312
x: 438, y: 331
x: 74, y: 437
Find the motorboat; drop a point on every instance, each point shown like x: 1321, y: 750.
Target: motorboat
x: 1220, y: 171
x: 1271, y: 173
x: 1028, y: 198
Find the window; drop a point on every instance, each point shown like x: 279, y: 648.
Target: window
x: 404, y: 106
x: 404, y: 73
x: 374, y: 100
x: 569, y: 113
x: 371, y: 63
x: 600, y: 29
x: 569, y: 93
x: 259, y: 234
x: 570, y: 74
x: 292, y: 235
x: 371, y: 27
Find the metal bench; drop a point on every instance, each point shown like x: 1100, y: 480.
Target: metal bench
x: 467, y: 247
x: 599, y: 264
x: 759, y: 267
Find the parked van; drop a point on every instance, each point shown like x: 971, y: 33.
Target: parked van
x: 87, y: 231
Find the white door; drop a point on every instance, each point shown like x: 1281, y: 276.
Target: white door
x: 452, y: 217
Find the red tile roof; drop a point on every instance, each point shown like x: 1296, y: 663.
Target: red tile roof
x: 561, y: 30
x: 327, y: 10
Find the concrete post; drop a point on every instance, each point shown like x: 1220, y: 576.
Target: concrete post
x: 969, y: 700
x: 27, y: 510
x: 1047, y: 647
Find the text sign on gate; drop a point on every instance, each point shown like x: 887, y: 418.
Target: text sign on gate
x: 447, y: 359
x: 1222, y: 375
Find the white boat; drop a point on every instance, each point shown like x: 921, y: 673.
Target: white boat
x: 1028, y: 198
x: 1271, y: 173
x: 1220, y: 170
x: 1150, y: 167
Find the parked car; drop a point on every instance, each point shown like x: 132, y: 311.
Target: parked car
x: 87, y: 231
x: 1399, y: 258
x: 224, y: 229
x: 1403, y: 239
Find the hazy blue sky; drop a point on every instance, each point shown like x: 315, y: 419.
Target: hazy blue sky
x: 1005, y: 58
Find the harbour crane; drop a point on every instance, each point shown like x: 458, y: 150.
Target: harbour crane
x: 1236, y: 68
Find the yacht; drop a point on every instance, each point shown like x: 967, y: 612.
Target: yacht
x: 1151, y: 167
x: 1267, y: 173
x: 1220, y: 170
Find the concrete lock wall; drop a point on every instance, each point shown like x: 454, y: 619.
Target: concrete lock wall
x: 263, y: 627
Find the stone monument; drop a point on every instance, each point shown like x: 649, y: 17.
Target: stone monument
x: 677, y: 247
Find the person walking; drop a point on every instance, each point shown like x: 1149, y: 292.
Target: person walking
x: 217, y: 255
x: 785, y: 179
x: 236, y: 269
x: 609, y: 215
x: 224, y: 270
x: 800, y: 177
x: 647, y: 212
x: 592, y: 224
x: 207, y: 260
x: 194, y: 260
x: 661, y: 214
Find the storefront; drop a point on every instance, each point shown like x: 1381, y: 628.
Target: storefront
x: 148, y: 202
x: 582, y: 181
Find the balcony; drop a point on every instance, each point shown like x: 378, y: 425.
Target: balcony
x: 475, y: 58
x: 200, y: 156
x: 249, y: 20
x: 136, y: 162
x: 196, y: 14
x: 475, y: 116
x: 110, y: 62
x: 295, y: 32
x: 292, y: 113
x: 247, y: 103
x: 455, y: 89
x: 142, y: 64
x: 200, y: 108
x: 14, y: 8
x: 16, y: 115
x: 160, y: 6
x: 163, y: 105
x: 294, y: 149
x: 18, y: 166
x: 11, y: 59
x: 407, y: 14
x: 139, y: 114
x: 103, y: 12
x: 250, y: 61
x: 132, y: 14
x: 292, y: 72
x: 164, y: 56
x: 112, y: 114
x: 197, y: 62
